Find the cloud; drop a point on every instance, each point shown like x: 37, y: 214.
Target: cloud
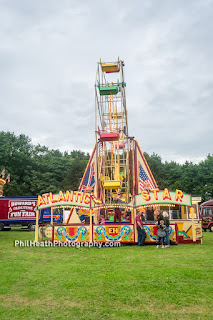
x: 48, y: 57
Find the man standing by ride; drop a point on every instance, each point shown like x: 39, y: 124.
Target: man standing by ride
x: 117, y: 212
x: 140, y: 229
x: 166, y: 221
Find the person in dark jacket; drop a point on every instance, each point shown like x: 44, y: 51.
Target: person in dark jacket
x: 166, y: 221
x: 159, y: 217
x: 161, y: 233
x: 117, y: 212
x: 140, y: 229
x: 150, y: 214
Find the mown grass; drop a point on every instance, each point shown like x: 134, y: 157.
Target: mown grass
x: 129, y: 282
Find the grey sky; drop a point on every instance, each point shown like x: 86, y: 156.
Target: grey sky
x: 48, y: 58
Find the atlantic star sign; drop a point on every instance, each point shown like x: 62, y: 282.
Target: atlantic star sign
x: 68, y: 198
x: 88, y: 200
x: 156, y: 196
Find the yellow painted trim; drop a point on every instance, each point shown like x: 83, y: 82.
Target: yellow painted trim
x: 135, y: 228
x: 63, y: 216
x: 2, y: 181
x: 90, y: 226
x: 36, y: 228
x: 192, y: 211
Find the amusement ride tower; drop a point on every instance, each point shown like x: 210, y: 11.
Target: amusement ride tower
x: 117, y: 165
x: 111, y: 128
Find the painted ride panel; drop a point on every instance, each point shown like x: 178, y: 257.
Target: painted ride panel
x: 114, y: 232
x: 66, y: 233
x: 185, y: 229
x: 151, y: 233
x: 124, y: 233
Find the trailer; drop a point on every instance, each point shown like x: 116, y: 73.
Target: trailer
x: 207, y: 215
x: 21, y: 212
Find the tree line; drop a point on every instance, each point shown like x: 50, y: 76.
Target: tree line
x: 196, y: 179
x: 36, y: 169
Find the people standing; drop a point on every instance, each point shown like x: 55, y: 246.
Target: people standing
x: 117, y: 212
x: 150, y: 214
x: 127, y: 215
x: 159, y: 217
x: 166, y: 221
x: 140, y: 229
x: 102, y: 220
x: 161, y: 233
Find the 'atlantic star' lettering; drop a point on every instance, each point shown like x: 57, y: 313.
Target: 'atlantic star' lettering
x: 69, y: 197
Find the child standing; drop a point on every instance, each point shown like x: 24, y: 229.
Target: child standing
x: 161, y: 233
x: 102, y: 219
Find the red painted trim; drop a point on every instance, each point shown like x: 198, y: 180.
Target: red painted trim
x: 90, y: 160
x: 176, y: 231
x: 53, y: 233
x: 131, y: 167
x: 97, y: 173
x: 210, y: 223
x: 199, y: 211
x: 136, y: 168
x: 204, y: 227
x: 112, y: 71
x: 185, y: 241
x: 134, y: 230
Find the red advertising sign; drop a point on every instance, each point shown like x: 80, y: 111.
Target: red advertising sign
x: 22, y: 208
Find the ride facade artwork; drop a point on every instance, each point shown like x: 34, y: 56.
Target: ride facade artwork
x: 118, y: 180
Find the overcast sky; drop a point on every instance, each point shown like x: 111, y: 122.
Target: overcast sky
x: 48, y: 58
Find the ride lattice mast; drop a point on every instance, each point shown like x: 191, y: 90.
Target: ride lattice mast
x: 111, y: 129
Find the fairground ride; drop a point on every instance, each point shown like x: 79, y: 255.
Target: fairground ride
x: 111, y: 128
x: 117, y: 166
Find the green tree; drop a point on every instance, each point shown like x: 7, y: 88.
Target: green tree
x: 74, y: 174
x: 36, y: 169
x: 205, y: 178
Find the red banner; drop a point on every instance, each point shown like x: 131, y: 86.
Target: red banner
x: 24, y: 209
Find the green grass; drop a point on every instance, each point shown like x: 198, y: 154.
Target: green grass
x: 129, y: 282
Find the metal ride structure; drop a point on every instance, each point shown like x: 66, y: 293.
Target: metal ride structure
x: 111, y: 128
x: 116, y: 160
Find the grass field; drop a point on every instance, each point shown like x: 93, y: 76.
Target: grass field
x: 129, y: 282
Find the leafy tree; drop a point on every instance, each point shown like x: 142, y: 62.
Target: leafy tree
x: 205, y: 178
x: 196, y: 179
x: 74, y: 174
x: 36, y: 169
